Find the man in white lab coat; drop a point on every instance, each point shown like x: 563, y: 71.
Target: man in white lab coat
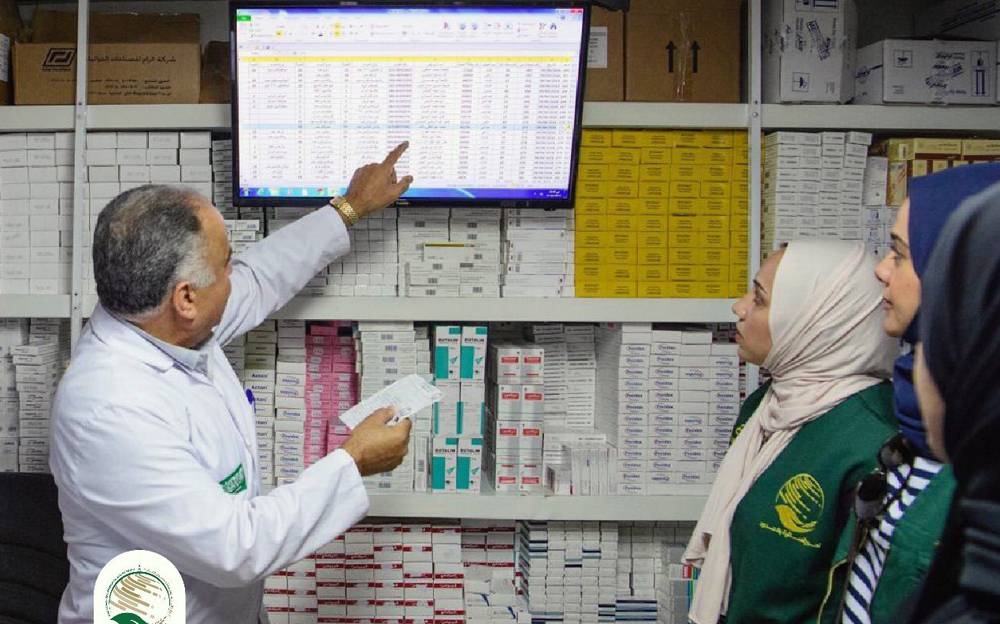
x: 153, y: 439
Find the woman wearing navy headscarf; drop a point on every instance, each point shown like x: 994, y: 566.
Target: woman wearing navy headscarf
x: 902, y: 508
x: 958, y: 384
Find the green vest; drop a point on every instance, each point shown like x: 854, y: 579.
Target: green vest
x: 786, y: 529
x: 914, y: 542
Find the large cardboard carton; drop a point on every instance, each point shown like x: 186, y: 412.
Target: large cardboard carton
x: 133, y: 59
x: 606, y: 57
x: 809, y: 50
x: 907, y: 71
x: 681, y: 51
x: 10, y: 30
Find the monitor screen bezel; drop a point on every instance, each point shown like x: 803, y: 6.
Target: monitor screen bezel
x: 545, y: 204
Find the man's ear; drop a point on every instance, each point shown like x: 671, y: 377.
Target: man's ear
x: 183, y: 299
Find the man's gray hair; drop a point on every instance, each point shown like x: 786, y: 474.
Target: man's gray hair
x: 146, y: 241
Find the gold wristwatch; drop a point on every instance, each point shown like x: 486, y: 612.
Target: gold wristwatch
x: 345, y: 209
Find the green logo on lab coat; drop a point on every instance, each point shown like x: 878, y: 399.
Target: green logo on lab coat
x: 236, y: 482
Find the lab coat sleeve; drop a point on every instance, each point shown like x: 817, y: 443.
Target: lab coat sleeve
x: 274, y: 270
x: 138, y: 473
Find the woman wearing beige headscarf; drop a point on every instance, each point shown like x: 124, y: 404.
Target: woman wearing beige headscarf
x: 779, y: 505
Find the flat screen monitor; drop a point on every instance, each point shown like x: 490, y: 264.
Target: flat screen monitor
x: 488, y: 94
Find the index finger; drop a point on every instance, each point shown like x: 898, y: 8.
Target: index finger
x: 395, y: 154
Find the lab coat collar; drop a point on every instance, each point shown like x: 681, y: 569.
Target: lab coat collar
x: 117, y: 334
x: 193, y: 359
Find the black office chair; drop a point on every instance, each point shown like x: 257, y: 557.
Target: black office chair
x: 34, y: 568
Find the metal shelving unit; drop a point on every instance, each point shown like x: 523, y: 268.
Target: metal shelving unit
x: 34, y: 306
x: 686, y: 505
x: 882, y: 118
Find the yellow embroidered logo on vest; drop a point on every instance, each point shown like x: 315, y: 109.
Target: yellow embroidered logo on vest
x: 799, y: 506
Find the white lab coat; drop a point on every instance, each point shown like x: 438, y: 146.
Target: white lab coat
x: 140, y: 445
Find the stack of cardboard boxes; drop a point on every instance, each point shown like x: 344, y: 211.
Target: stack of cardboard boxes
x: 538, y: 253
x: 914, y: 157
x: 813, y: 186
x: 38, y: 366
x: 459, y: 419
x: 516, y: 403
x: 259, y: 354
x: 36, y: 212
x: 388, y: 351
x: 13, y: 332
x: 568, y: 570
x: 662, y: 214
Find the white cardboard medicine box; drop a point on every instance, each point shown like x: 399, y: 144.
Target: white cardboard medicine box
x: 906, y: 71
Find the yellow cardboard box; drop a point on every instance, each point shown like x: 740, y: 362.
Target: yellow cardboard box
x: 712, y: 290
x: 653, y: 239
x: 656, y: 155
x: 590, y: 239
x: 652, y: 255
x: 682, y: 290
x: 682, y: 223
x: 623, y: 189
x: 595, y: 155
x: 624, y: 173
x: 626, y: 223
x: 647, y: 223
x: 620, y: 255
x: 654, y: 190
x: 683, y: 255
x: 741, y: 173
x: 685, y: 189
x: 588, y: 272
x: 682, y: 238
x: 654, y: 173
x: 680, y: 171
x: 716, y: 240
x: 591, y: 188
x: 687, y: 206
x: 653, y: 273
x: 626, y: 138
x: 713, y: 273
x: 595, y: 138
x: 588, y: 257
x: 591, y: 206
x: 713, y: 223
x: 595, y: 172
x: 718, y: 157
x: 591, y: 223
x: 716, y: 190
x: 716, y: 206
x: 621, y: 290
x: 589, y: 289
x: 715, y: 256
x: 653, y: 206
x: 620, y: 273
x: 657, y: 138
x: 622, y: 206
x: 621, y: 239
x: 682, y: 272
x: 625, y: 156
x: 654, y: 290
x: 737, y: 289
x: 717, y: 173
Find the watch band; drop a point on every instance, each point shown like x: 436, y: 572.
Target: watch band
x: 345, y: 208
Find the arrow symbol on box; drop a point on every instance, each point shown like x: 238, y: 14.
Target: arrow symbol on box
x: 694, y: 56
x: 670, y: 56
